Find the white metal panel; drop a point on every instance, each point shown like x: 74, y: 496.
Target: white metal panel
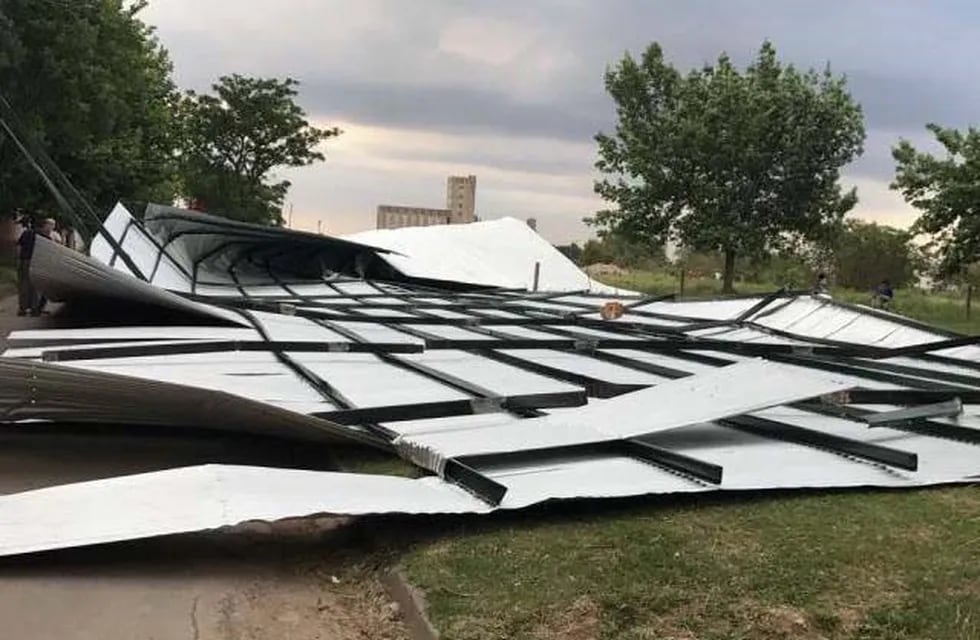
x: 282, y: 327
x: 500, y: 378
x: 373, y: 332
x: 499, y: 253
x: 254, y: 375
x: 728, y: 391
x: 313, y: 290
x: 602, y: 477
x: 448, y: 313
x: 369, y: 382
x: 583, y: 365
x: 115, y: 223
x: 454, y: 423
x: 752, y: 462
x: 385, y: 313
x: 205, y: 497
x: 708, y: 309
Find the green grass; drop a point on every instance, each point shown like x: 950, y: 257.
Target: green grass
x: 355, y: 459
x: 853, y: 565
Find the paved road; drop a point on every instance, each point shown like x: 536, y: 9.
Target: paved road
x: 289, y: 581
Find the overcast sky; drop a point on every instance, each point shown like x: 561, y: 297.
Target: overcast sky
x: 512, y: 90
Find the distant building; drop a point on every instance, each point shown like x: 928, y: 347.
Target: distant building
x: 395, y: 217
x: 461, y: 198
x: 460, y: 208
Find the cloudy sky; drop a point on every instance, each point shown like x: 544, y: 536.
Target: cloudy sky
x: 512, y: 90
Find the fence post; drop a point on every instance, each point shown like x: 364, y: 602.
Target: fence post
x: 537, y: 274
x: 969, y: 299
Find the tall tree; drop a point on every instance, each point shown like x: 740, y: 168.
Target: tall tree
x: 92, y: 84
x: 235, y: 138
x: 724, y: 160
x: 947, y: 192
x: 867, y: 253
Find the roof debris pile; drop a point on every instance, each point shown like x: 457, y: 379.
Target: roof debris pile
x: 508, y: 397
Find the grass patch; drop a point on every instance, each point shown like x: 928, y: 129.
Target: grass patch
x: 850, y: 565
x: 355, y: 459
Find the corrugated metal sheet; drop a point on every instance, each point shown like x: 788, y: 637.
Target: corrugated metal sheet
x: 488, y: 400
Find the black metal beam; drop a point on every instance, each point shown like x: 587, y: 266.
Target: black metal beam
x: 918, y: 372
x: 861, y: 372
x: 218, y: 346
x: 470, y: 480
x: 450, y: 408
x: 593, y: 386
x: 442, y: 377
x: 811, y: 437
x: 631, y: 448
x: 673, y: 460
x: 908, y: 397
x: 476, y: 483
x: 762, y: 304
x: 919, y: 427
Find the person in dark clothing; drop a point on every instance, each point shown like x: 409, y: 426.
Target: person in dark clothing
x: 820, y: 287
x: 28, y: 300
x: 884, y: 294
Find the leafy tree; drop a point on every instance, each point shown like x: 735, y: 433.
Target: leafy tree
x: 868, y: 253
x: 92, y: 84
x: 596, y: 252
x: 235, y: 138
x: 722, y: 160
x: 947, y: 192
x: 617, y: 249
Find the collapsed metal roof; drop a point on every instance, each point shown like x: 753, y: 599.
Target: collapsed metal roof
x: 508, y: 397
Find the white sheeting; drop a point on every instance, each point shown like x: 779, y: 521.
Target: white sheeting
x: 213, y: 496
x: 720, y: 393
x: 204, y: 497
x: 674, y: 414
x: 499, y: 253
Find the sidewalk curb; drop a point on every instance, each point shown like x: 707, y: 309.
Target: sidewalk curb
x: 412, y: 604
x: 409, y: 599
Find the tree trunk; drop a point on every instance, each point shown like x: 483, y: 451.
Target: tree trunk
x: 729, y: 271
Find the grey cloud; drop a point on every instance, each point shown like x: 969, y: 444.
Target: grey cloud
x: 901, y: 70
x: 458, y: 110
x: 907, y: 103
x: 908, y: 63
x: 556, y: 164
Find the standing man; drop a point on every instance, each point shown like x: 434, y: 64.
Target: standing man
x: 820, y: 287
x: 28, y: 298
x: 884, y: 294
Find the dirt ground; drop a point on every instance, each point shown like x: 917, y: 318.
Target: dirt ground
x: 291, y: 581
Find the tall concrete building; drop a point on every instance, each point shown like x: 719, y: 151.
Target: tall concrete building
x: 461, y: 198
x: 460, y: 208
